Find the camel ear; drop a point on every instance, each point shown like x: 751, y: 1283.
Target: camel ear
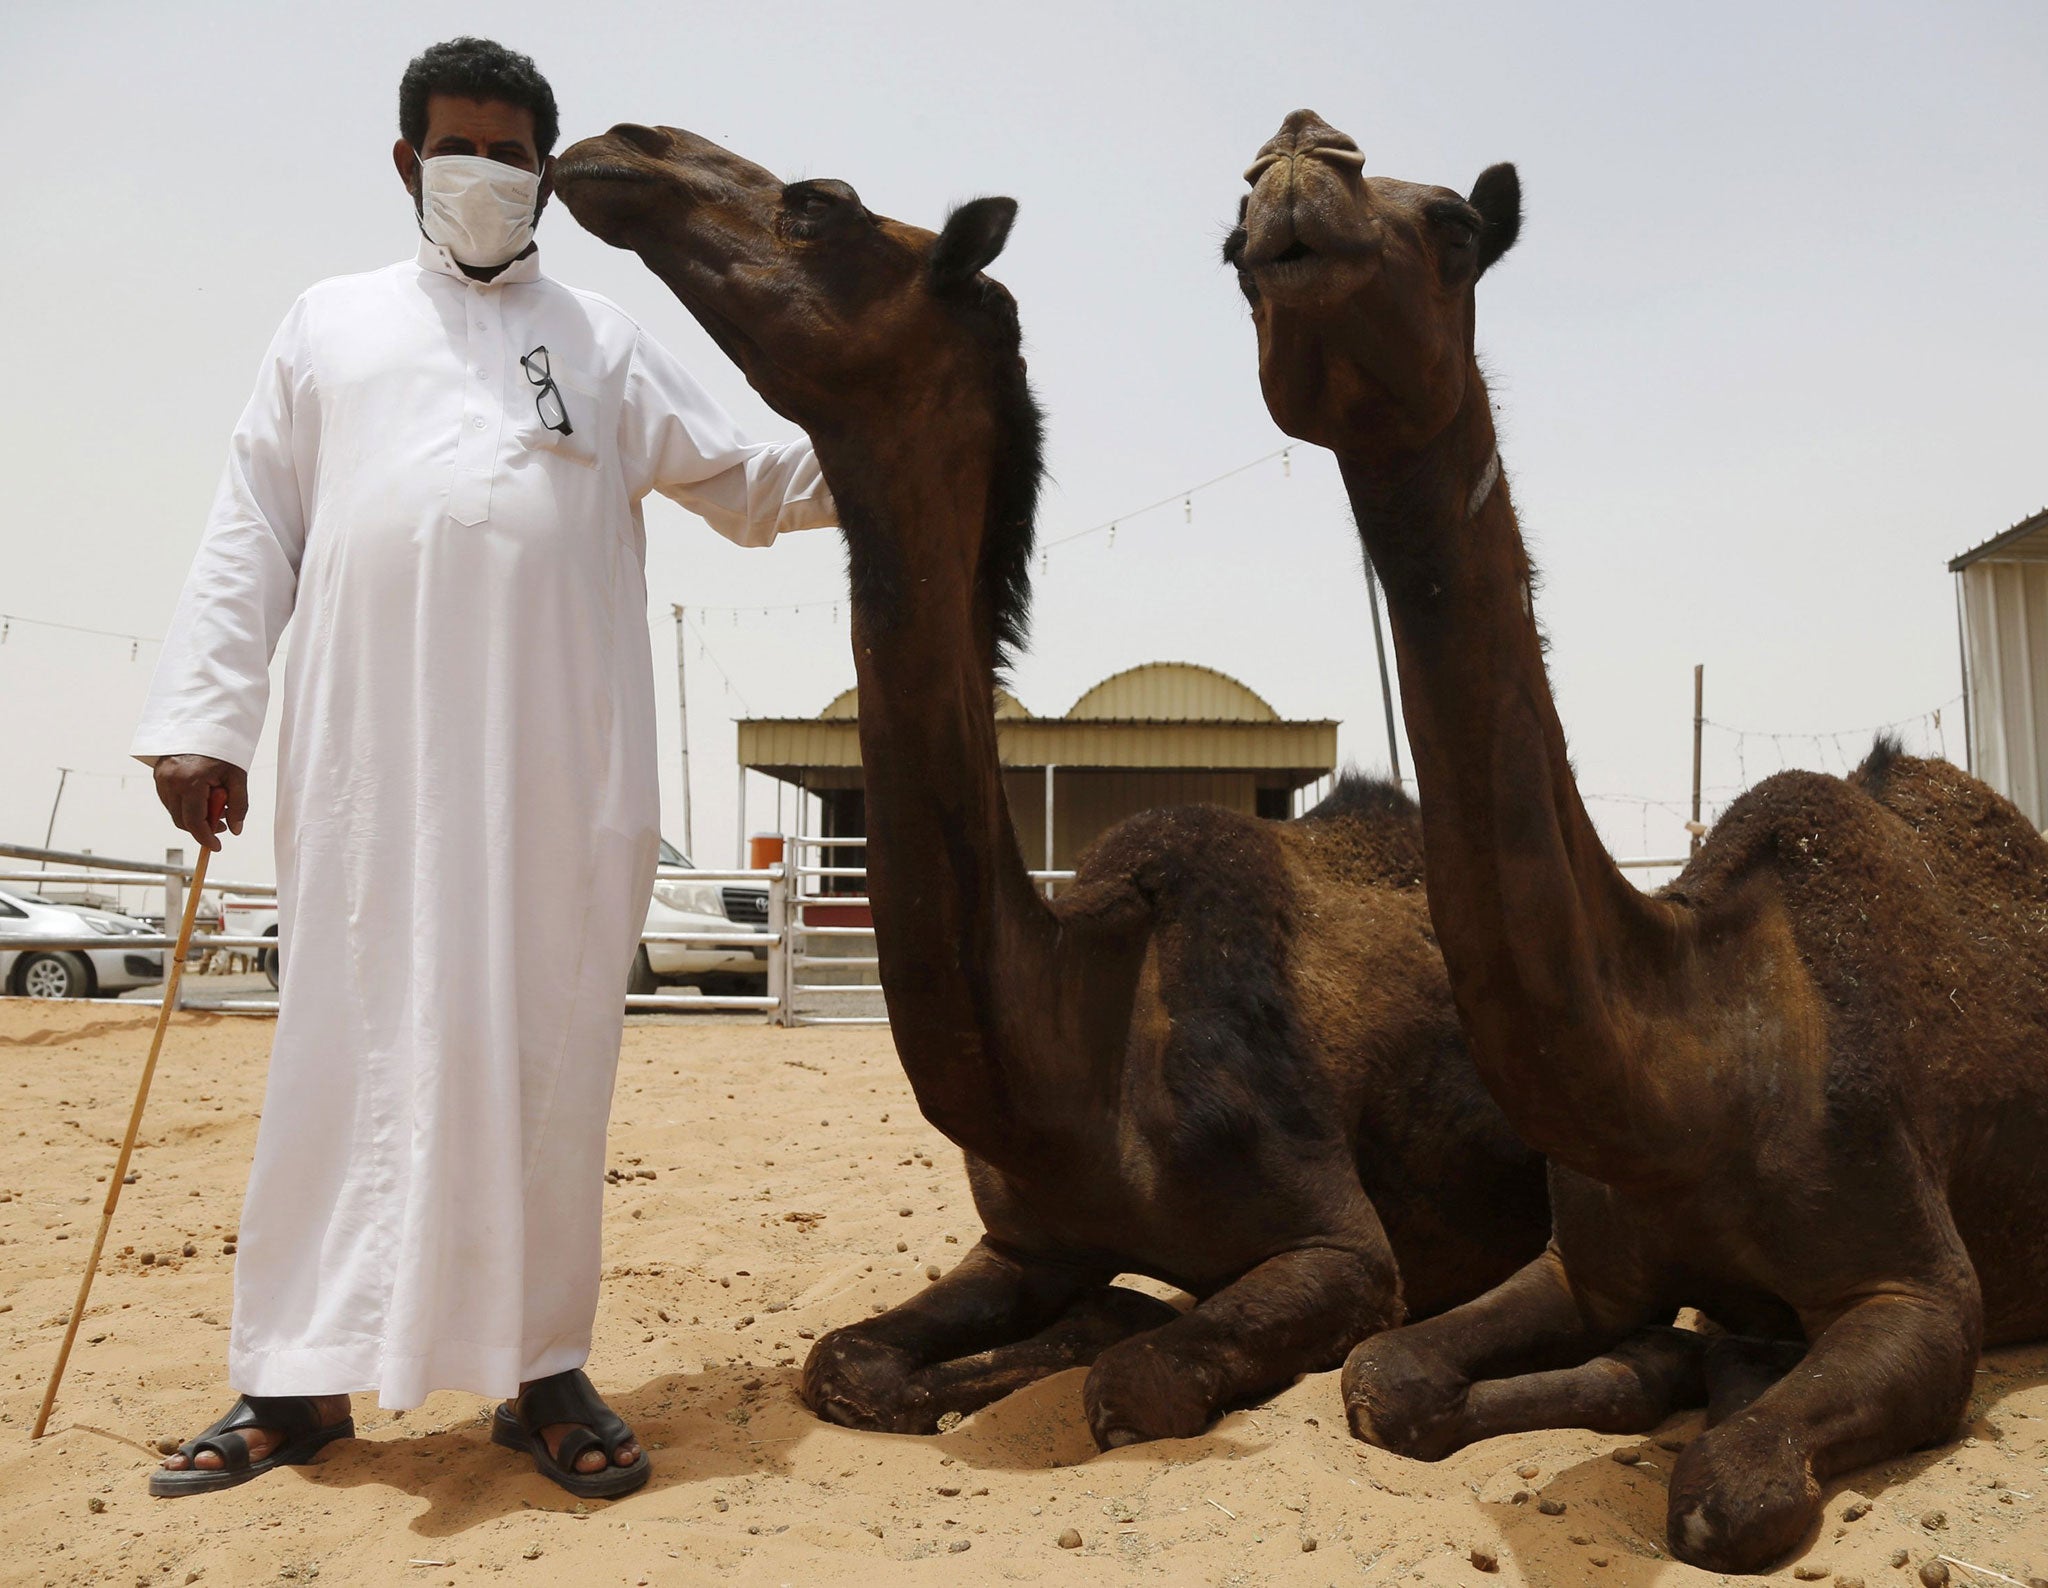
x: 1497, y: 195
x: 974, y: 235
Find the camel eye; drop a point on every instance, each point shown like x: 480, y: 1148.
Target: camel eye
x: 1459, y: 223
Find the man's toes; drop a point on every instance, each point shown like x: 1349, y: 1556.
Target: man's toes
x: 591, y: 1461
x: 628, y: 1454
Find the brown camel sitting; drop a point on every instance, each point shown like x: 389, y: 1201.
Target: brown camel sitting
x: 1804, y: 1089
x: 1226, y: 1058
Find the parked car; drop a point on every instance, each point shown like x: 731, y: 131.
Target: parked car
x: 680, y: 905
x: 88, y: 973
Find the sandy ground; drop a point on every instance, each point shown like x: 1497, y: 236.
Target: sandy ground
x: 713, y: 1287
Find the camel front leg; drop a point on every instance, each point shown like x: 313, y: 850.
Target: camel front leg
x: 1422, y: 1391
x: 1292, y: 1314
x: 1889, y: 1375
x: 867, y: 1374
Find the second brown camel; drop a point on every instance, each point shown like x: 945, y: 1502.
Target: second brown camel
x: 1804, y: 1089
x: 1226, y: 1057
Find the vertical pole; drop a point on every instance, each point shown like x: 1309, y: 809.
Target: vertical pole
x: 781, y: 952
x: 1699, y: 696
x: 740, y: 856
x: 1049, y: 771
x: 1963, y: 652
x: 50, y: 830
x: 174, y: 904
x: 683, y: 726
x: 1379, y: 646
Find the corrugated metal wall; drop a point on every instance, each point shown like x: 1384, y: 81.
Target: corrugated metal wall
x: 2005, y: 627
x: 1087, y: 804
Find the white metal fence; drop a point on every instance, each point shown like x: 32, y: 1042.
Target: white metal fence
x: 822, y: 968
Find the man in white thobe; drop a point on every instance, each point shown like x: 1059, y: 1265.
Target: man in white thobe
x: 440, y: 477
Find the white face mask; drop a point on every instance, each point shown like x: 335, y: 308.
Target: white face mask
x: 480, y: 210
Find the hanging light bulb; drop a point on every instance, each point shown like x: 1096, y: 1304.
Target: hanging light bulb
x: 1188, y: 507
x: 134, y: 649
x: 1112, y: 536
x: 1287, y: 462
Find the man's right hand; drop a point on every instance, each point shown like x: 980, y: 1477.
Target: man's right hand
x: 186, y: 784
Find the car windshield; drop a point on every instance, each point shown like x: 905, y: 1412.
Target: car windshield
x: 672, y: 856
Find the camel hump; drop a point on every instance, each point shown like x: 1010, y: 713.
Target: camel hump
x: 1360, y: 794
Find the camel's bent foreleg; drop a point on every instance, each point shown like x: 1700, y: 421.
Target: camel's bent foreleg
x: 866, y: 1375
x: 1411, y: 1390
x: 1292, y: 1314
x: 1097, y: 1320
x: 1889, y: 1375
x: 1628, y: 1390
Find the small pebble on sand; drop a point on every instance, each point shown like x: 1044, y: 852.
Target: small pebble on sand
x: 1550, y: 1507
x: 191, y: 1250
x: 1898, y: 1559
x: 1484, y: 1558
x: 1934, y: 1574
x: 1308, y: 1543
x: 1934, y: 1521
x: 1527, y: 1472
x: 1069, y: 1539
x: 931, y: 1270
x: 1626, y: 1458
x: 903, y: 1213
x: 960, y: 1546
x: 1856, y: 1511
x: 1807, y: 1573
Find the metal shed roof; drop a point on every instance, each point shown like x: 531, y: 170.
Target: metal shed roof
x: 2026, y: 541
x: 1161, y: 716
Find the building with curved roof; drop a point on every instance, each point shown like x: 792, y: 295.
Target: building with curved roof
x: 1165, y: 733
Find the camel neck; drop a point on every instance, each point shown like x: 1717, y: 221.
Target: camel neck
x: 956, y: 917
x: 1534, y: 918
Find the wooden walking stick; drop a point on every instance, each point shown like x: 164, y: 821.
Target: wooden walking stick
x: 174, y: 973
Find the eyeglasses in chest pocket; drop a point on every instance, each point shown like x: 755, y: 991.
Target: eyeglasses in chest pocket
x: 564, y: 417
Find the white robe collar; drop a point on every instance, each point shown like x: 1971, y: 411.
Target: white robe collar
x: 432, y: 256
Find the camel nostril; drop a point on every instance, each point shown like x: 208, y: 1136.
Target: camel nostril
x: 648, y: 140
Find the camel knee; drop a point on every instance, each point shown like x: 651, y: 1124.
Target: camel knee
x: 1404, y: 1397
x: 1138, y: 1391
x: 1743, y: 1496
x: 858, y: 1382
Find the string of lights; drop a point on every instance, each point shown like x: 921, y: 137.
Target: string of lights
x: 1185, y: 496
x: 135, y: 641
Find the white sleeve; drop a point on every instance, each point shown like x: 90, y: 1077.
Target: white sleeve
x: 212, y: 681
x: 676, y: 439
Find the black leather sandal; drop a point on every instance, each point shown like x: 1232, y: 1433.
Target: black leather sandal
x: 295, y: 1417
x: 570, y: 1398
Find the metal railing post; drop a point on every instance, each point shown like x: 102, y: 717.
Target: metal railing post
x: 174, y: 907
x: 781, y: 972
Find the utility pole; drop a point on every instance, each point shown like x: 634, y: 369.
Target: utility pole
x: 50, y: 831
x: 1699, y: 720
x: 683, y: 727
x: 1379, y: 645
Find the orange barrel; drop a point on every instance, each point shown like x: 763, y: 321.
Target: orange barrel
x: 764, y: 850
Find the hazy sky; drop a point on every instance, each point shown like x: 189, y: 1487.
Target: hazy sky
x: 1773, y: 346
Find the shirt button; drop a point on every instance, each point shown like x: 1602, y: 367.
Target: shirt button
x: 478, y: 423
x: 479, y: 325
x: 483, y: 374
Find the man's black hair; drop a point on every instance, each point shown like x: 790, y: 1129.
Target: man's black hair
x: 476, y: 69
